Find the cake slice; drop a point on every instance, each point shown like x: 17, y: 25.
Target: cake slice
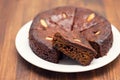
x: 75, y: 49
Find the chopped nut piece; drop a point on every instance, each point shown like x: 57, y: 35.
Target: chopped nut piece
x: 90, y: 17
x: 77, y: 40
x: 64, y: 15
x: 49, y: 38
x: 97, y: 33
x: 43, y: 23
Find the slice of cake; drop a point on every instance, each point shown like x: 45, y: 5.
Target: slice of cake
x: 74, y: 48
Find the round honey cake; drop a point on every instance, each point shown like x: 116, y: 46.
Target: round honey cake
x: 78, y: 33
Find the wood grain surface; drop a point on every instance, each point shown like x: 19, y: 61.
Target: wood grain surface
x: 15, y: 13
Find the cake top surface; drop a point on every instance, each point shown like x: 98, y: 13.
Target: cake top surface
x: 72, y: 23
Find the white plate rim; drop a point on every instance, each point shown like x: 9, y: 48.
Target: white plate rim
x: 22, y: 46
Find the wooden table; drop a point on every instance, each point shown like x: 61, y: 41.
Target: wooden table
x: 15, y: 13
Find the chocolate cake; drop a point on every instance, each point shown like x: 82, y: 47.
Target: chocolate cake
x: 79, y: 33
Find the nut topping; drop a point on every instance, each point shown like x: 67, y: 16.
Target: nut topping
x: 77, y: 40
x: 44, y: 24
x: 97, y: 33
x: 64, y: 15
x: 90, y: 17
x: 49, y: 38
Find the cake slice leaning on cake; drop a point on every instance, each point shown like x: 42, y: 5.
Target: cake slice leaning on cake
x: 75, y: 47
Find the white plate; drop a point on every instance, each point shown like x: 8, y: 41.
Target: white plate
x: 65, y: 65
